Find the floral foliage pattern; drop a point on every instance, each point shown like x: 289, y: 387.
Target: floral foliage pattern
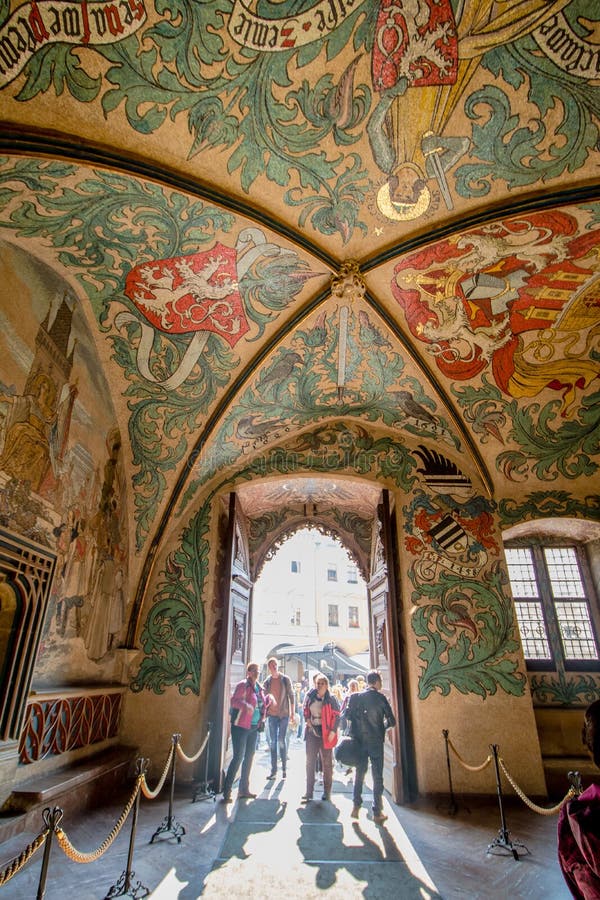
x: 173, y: 634
x: 547, y: 505
x: 184, y: 64
x: 564, y: 689
x: 141, y: 218
x: 299, y: 386
x: 463, y: 621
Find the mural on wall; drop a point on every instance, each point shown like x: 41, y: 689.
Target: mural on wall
x: 547, y: 505
x: 517, y: 302
x: 53, y: 407
x: 171, y: 332
x: 216, y: 60
x: 463, y: 618
x: 172, y: 638
x: 341, y: 365
x: 564, y: 689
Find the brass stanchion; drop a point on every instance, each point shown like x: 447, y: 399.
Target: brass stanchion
x: 503, y: 840
x: 169, y: 825
x: 575, y: 782
x: 52, y: 819
x: 452, y: 806
x: 124, y: 886
x: 204, y: 791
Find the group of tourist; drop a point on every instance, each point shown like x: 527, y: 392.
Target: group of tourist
x: 364, y: 714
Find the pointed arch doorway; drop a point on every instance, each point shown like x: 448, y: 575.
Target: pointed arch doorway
x: 261, y: 515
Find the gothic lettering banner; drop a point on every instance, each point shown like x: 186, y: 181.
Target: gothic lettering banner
x: 271, y: 35
x: 37, y: 24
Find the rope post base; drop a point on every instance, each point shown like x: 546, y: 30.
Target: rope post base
x: 503, y: 842
x: 125, y: 886
x: 169, y: 825
x: 203, y: 790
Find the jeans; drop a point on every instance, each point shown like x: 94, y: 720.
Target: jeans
x: 277, y: 731
x: 373, y: 752
x: 243, y: 741
x: 314, y: 750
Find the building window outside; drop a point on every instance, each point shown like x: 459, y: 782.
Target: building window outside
x: 334, y: 618
x: 295, y: 566
x: 353, y: 617
x: 551, y: 600
x: 296, y: 617
x: 331, y: 572
x: 352, y: 575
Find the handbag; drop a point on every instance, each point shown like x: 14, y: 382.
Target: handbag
x: 348, y: 752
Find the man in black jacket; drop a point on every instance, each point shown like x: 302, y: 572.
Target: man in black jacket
x: 370, y: 715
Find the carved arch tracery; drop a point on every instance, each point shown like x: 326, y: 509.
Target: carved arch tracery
x: 323, y: 528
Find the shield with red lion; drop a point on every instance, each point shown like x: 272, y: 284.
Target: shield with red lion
x: 416, y: 41
x: 186, y: 294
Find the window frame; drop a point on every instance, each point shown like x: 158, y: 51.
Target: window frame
x: 330, y: 608
x: 547, y: 601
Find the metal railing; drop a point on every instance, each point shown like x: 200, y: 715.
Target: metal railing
x: 125, y: 886
x: 504, y: 841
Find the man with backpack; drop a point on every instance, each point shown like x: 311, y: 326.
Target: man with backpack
x: 370, y: 715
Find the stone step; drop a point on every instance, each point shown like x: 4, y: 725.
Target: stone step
x: 80, y: 786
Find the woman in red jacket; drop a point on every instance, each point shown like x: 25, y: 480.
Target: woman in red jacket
x: 321, y: 714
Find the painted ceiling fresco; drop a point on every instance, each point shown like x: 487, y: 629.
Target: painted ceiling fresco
x: 358, y: 237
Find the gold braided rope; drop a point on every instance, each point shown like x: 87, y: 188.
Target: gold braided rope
x: 76, y: 855
x: 191, y: 759
x: 152, y: 795
x: 16, y: 864
x: 480, y: 768
x: 542, y: 810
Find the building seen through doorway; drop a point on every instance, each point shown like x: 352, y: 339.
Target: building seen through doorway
x: 310, y: 609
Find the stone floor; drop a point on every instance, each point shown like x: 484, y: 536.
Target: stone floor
x: 276, y: 847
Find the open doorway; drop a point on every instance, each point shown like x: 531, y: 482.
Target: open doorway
x: 310, y: 610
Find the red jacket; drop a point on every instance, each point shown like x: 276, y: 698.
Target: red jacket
x: 330, y: 715
x: 243, y: 703
x: 579, y: 844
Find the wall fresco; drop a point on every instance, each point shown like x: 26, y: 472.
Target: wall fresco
x: 564, y: 689
x: 441, y: 83
x: 463, y: 618
x: 519, y: 307
x: 61, y: 482
x: 173, y: 634
x: 302, y: 383
x: 547, y: 505
x: 172, y: 318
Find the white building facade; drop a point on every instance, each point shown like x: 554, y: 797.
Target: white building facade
x: 310, y: 594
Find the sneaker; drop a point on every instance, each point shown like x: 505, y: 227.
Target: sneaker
x: 226, y: 798
x: 247, y: 795
x: 271, y: 776
x: 380, y: 818
x: 306, y: 799
x: 326, y: 796
x: 355, y: 812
